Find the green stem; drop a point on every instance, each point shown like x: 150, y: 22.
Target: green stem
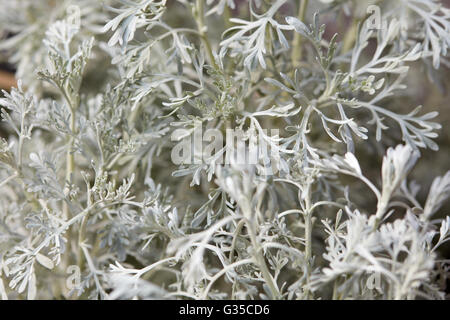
x: 20, y: 147
x: 236, y: 234
x: 296, y: 54
x: 308, y: 250
x: 262, y: 262
x: 199, y: 15
x: 81, y: 236
x: 335, y: 290
x: 350, y: 36
x: 308, y: 236
x: 70, y: 160
x: 12, y: 177
x: 70, y: 167
x: 227, y: 17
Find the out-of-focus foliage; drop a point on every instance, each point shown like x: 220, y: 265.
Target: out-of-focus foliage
x: 107, y: 89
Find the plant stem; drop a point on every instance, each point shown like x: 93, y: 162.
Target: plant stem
x: 81, y: 236
x: 296, y: 54
x: 15, y: 175
x: 20, y: 147
x: 227, y: 16
x: 308, y: 235
x: 222, y: 272
x: 335, y: 290
x: 350, y: 36
x: 199, y: 16
x: 262, y: 262
x: 70, y: 165
x: 236, y: 234
x: 70, y: 160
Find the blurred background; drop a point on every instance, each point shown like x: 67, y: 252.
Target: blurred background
x: 425, y: 87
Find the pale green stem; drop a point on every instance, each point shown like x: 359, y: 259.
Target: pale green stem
x: 199, y: 15
x: 296, y: 54
x: 308, y: 236
x: 350, y: 36
x: 236, y: 234
x: 335, y: 289
x: 227, y: 17
x: 20, y: 147
x: 81, y: 237
x: 8, y: 179
x: 222, y: 272
x: 262, y: 262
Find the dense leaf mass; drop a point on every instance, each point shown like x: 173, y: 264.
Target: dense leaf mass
x: 95, y: 204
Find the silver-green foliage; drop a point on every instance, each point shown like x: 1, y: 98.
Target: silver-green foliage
x: 86, y: 176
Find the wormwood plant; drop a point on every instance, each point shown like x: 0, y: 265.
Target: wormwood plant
x: 93, y: 205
